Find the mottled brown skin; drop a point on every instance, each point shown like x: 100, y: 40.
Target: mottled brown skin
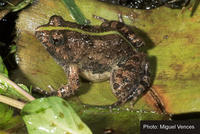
x: 98, y: 58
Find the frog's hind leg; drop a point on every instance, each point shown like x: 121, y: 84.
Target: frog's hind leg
x: 125, y: 30
x: 120, y: 18
x: 130, y: 81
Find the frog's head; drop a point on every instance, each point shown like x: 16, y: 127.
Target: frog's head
x: 51, y: 34
x: 50, y: 38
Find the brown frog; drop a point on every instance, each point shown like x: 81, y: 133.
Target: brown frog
x: 97, y: 53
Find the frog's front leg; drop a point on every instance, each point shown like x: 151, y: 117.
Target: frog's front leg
x: 130, y: 80
x: 73, y: 82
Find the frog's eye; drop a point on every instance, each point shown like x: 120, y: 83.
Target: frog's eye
x: 57, y: 39
x: 56, y: 20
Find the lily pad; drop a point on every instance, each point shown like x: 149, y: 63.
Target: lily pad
x: 172, y: 44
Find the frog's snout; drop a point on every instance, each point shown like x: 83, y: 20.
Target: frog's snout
x: 38, y: 34
x: 42, y: 36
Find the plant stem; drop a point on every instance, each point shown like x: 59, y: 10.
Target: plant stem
x: 75, y: 12
x: 11, y: 102
x: 17, y: 88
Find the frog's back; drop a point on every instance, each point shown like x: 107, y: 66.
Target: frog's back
x: 97, y: 55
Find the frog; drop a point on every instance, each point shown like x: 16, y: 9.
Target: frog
x: 97, y: 53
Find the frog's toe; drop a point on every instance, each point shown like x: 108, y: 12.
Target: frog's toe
x: 52, y: 92
x: 99, y: 18
x: 65, y: 91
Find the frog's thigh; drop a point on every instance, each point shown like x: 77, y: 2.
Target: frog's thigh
x: 125, y: 84
x: 73, y: 82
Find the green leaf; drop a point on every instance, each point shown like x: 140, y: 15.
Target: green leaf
x: 76, y: 12
x: 52, y: 115
x: 5, y: 113
x: 3, y: 69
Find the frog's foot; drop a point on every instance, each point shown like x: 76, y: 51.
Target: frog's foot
x: 130, y: 80
x: 120, y: 18
x: 65, y: 91
x: 100, y: 18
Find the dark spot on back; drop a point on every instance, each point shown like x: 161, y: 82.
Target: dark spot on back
x: 119, y: 75
x: 115, y: 85
x: 136, y: 59
x: 126, y: 80
x: 128, y: 87
x: 130, y: 68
